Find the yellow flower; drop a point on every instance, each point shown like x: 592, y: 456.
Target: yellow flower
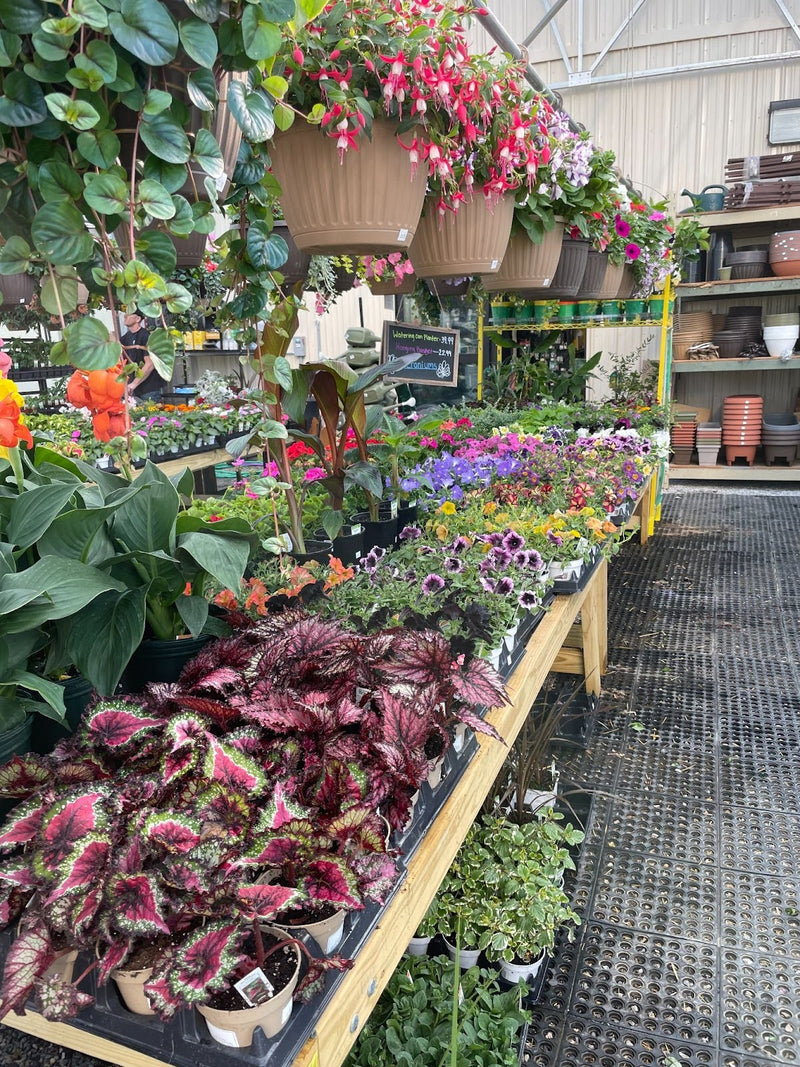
x: 448, y: 508
x: 490, y: 508
x: 442, y: 532
x: 9, y: 389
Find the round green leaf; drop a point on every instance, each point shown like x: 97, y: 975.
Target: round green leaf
x: 50, y: 46
x: 208, y: 153
x: 57, y: 181
x: 90, y: 12
x: 165, y: 138
x: 278, y: 10
x: 90, y: 346
x: 76, y: 113
x: 22, y: 103
x: 149, y: 285
x: 265, y: 249
x: 99, y: 148
x: 171, y: 175
x: 207, y: 10
x: 202, y: 89
x: 146, y: 29
x: 199, y: 41
x: 262, y: 39
x: 106, y: 193
x: 182, y: 224
x: 59, y: 232
x: 284, y: 116
x: 161, y: 347
x: 155, y: 199
x: 178, y: 298
x: 85, y: 79
x: 157, y: 251
x: 100, y: 57
x: 15, y: 256
x: 156, y: 101
x: 63, y: 27
x: 60, y: 294
x: 22, y: 16
x: 275, y: 86
x: 10, y: 45
x: 252, y: 112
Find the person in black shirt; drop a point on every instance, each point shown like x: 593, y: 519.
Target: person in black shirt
x: 134, y: 342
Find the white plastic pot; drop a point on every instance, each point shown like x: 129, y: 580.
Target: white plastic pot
x: 467, y: 957
x: 515, y: 972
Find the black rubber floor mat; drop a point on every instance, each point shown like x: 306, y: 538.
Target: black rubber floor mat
x: 689, y: 951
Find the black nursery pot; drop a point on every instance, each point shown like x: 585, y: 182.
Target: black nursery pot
x: 380, y: 534
x: 317, y: 550
x: 407, y: 513
x: 160, y: 661
x: 348, y: 546
x: 47, y: 732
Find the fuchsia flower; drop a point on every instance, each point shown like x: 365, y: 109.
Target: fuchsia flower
x: 622, y: 227
x: 632, y: 251
x: 314, y: 474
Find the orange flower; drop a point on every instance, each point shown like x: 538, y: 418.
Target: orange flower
x: 105, y: 389
x: 12, y: 429
x: 110, y: 424
x: 226, y: 599
x: 338, y: 573
x: 78, y: 390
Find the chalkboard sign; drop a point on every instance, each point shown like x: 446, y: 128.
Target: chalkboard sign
x: 437, y: 348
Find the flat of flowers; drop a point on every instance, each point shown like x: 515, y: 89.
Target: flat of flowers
x: 567, y: 586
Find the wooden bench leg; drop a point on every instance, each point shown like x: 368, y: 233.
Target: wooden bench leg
x: 593, y: 631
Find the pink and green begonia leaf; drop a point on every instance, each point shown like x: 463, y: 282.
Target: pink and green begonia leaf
x: 28, y: 958
x: 85, y: 867
x: 233, y: 769
x: 281, y: 809
x: 60, y: 1000
x: 265, y: 902
x: 65, y: 823
x: 173, y: 833
x: 479, y: 725
x: 136, y: 904
x: 231, y: 812
x: 359, y: 825
x: 205, y: 961
x: 113, y: 957
x: 330, y: 881
x: 12, y: 904
x: 479, y: 683
x: 116, y: 725
x: 22, y: 775
x: 84, y: 911
x: 23, y: 824
x: 313, y: 981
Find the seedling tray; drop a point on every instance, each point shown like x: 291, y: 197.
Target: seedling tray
x: 566, y: 586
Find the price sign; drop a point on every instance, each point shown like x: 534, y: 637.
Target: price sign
x: 436, y: 349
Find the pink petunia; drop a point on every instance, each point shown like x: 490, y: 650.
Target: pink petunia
x: 313, y: 474
x: 632, y: 251
x: 622, y: 227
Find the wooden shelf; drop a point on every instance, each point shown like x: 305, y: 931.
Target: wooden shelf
x: 745, y: 287
x: 718, y: 366
x: 759, y: 472
x: 746, y: 216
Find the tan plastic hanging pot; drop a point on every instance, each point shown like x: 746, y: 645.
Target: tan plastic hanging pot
x: 627, y: 283
x: 612, y: 281
x: 527, y: 265
x: 364, y: 204
x: 471, y: 241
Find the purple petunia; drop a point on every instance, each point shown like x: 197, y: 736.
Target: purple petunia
x: 410, y: 533
x: 504, y: 587
x: 461, y: 544
x: 513, y: 541
x: 453, y: 565
x: 433, y: 583
x: 528, y: 599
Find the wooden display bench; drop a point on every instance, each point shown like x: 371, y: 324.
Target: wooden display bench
x: 348, y: 1009
x: 201, y: 464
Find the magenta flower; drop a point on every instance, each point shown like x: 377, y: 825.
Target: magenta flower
x: 632, y: 251
x: 313, y: 474
x: 622, y: 227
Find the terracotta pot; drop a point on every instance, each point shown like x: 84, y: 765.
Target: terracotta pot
x: 235, y: 1028
x: 527, y: 265
x: 16, y: 289
x: 131, y: 988
x: 365, y: 203
x: 63, y: 966
x: 472, y: 241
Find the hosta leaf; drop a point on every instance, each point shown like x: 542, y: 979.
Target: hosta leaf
x: 114, y: 724
x: 120, y: 618
x: 28, y: 958
x: 199, y: 41
x: 145, y: 28
x: 59, y: 232
x: 137, y: 905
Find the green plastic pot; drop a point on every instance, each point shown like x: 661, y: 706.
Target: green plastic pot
x: 634, y: 309
x: 611, y: 310
x: 566, y: 311
x: 540, y: 310
x: 525, y: 312
x: 586, y: 310
x: 502, y: 314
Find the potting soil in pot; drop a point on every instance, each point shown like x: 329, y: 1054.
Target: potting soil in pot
x: 279, y: 969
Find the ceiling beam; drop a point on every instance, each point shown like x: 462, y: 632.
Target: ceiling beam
x: 544, y: 22
x: 682, y: 68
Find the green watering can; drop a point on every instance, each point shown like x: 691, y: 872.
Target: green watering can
x: 706, y: 201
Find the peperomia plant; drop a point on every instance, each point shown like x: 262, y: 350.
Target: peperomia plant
x: 273, y: 753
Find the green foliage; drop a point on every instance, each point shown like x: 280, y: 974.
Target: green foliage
x: 524, y: 375
x: 411, y: 1024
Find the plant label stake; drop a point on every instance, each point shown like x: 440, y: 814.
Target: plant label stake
x: 255, y: 988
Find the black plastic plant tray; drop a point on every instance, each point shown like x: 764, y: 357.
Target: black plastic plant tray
x: 566, y: 586
x: 577, y: 720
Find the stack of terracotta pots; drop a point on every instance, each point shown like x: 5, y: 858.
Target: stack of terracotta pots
x: 682, y: 438
x: 741, y: 427
x: 784, y: 253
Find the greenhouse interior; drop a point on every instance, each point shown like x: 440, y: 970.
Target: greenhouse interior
x: 399, y: 455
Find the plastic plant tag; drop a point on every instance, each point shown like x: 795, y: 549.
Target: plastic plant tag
x: 402, y: 235
x: 255, y: 988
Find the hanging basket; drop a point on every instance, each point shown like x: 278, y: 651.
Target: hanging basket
x: 295, y: 268
x: 527, y: 265
x: 387, y: 287
x: 594, y: 276
x: 627, y: 283
x: 16, y: 289
x: 471, y: 241
x: 448, y: 286
x: 612, y: 281
x: 366, y: 203
x: 569, y: 272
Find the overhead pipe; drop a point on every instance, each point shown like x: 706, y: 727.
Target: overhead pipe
x: 544, y: 22
x: 498, y: 32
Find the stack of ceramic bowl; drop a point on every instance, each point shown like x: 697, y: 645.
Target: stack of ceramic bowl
x: 741, y: 427
x: 784, y: 253
x: 780, y: 435
x: 781, y: 333
x: 691, y: 328
x: 749, y: 263
x: 682, y: 437
x: 709, y: 440
x: 742, y: 326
